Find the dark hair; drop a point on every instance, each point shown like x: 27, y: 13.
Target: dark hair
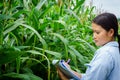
x: 108, y: 21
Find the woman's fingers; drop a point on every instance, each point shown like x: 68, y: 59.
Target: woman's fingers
x: 61, y: 75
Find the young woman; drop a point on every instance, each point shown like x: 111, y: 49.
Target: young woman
x: 105, y: 64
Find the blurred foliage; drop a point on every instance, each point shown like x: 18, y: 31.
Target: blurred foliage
x: 35, y: 32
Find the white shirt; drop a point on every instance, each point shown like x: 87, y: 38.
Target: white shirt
x: 105, y: 64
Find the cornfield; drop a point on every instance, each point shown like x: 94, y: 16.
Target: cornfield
x: 35, y: 32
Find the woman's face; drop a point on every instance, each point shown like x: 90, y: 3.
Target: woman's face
x: 101, y: 36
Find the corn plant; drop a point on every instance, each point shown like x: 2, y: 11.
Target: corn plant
x: 35, y: 32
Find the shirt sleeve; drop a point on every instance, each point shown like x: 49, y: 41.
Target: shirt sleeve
x: 99, y: 68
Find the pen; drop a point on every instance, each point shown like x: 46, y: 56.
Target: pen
x: 68, y: 61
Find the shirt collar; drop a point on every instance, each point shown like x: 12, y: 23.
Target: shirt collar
x: 112, y: 43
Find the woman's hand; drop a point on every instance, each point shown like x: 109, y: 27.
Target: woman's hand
x: 61, y: 75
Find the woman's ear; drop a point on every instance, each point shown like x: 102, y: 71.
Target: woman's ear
x: 111, y: 32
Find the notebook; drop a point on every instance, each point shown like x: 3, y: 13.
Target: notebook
x: 66, y: 70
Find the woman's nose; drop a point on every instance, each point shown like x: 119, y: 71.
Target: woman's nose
x: 94, y: 36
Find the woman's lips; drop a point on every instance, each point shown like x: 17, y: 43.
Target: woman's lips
x: 95, y: 41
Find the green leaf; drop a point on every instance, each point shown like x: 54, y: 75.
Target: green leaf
x: 79, y: 4
x: 26, y: 76
x: 38, y: 53
x: 56, y: 54
x: 38, y: 35
x: 80, y: 57
x: 3, y: 17
x: 8, y: 54
x: 15, y: 25
x: 64, y: 40
x: 40, y: 4
x: 74, y: 14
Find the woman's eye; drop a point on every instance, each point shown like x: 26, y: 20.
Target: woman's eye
x: 97, y: 32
